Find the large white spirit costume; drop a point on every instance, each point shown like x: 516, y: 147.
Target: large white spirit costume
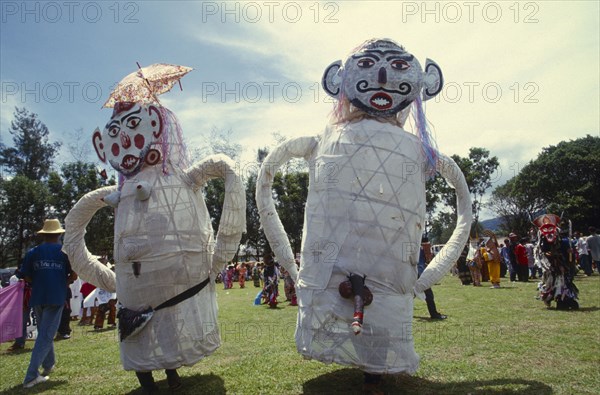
x: 365, y: 212
x: 163, y: 243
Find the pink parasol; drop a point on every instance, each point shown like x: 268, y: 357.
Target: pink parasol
x: 145, y: 84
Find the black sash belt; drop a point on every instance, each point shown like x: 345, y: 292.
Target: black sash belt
x: 188, y: 293
x: 132, y: 322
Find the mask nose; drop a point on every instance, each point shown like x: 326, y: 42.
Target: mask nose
x: 382, y: 76
x: 125, y: 140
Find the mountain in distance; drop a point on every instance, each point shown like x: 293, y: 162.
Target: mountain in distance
x: 492, y: 224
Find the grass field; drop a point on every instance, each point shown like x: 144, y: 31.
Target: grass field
x: 494, y: 342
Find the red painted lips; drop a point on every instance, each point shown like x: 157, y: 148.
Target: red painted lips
x: 381, y: 101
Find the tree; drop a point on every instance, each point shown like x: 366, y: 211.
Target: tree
x: 432, y: 198
x: 516, y: 208
x: 563, y: 179
x: 23, y: 209
x: 442, y: 227
x: 32, y: 155
x: 79, y: 147
x: 24, y: 197
x: 214, y: 195
x: 291, y: 191
x: 77, y: 179
x: 477, y: 168
x: 480, y: 168
x: 254, y: 236
x: 254, y: 239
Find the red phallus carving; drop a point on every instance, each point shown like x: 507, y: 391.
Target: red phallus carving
x: 355, y: 287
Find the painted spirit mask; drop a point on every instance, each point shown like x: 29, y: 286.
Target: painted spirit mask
x: 381, y: 78
x: 131, y: 139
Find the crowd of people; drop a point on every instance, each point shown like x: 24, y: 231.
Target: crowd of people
x: 265, y: 275
x: 554, y: 263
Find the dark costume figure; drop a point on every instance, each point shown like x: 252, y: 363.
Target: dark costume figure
x: 557, y: 279
x: 271, y: 288
x: 256, y: 276
x: 464, y: 274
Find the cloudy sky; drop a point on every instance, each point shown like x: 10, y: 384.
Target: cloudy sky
x: 519, y: 76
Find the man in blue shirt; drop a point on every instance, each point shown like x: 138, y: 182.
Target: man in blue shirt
x: 48, y: 270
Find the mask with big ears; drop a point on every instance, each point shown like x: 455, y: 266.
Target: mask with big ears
x: 131, y: 139
x: 381, y: 78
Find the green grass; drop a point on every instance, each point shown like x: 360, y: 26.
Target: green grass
x: 494, y: 342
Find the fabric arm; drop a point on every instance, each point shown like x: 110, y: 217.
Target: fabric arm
x: 272, y: 226
x: 233, y: 215
x: 86, y: 265
x: 448, y: 255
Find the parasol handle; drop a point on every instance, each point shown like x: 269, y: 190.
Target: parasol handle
x: 148, y: 82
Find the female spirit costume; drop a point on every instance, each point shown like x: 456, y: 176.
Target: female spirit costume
x: 165, y: 253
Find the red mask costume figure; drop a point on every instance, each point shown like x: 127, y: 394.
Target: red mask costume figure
x: 365, y: 213
x: 552, y: 254
x: 164, y: 248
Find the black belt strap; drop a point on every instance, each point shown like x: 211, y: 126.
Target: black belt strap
x: 188, y: 293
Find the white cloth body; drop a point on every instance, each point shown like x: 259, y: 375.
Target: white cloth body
x: 168, y: 233
x: 365, y: 215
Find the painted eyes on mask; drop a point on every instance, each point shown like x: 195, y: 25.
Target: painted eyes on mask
x: 113, y: 131
x: 400, y: 65
x: 397, y: 64
x: 365, y: 63
x: 133, y: 122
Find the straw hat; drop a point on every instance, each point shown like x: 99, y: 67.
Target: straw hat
x: 51, y: 226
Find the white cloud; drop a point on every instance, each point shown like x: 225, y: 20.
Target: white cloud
x: 519, y: 61
x: 553, y: 59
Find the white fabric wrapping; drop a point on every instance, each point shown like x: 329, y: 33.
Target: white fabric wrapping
x: 272, y: 226
x: 97, y: 297
x: 86, y: 265
x: 90, y: 300
x: 171, y: 237
x: 364, y: 214
x: 449, y: 254
x: 233, y: 215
